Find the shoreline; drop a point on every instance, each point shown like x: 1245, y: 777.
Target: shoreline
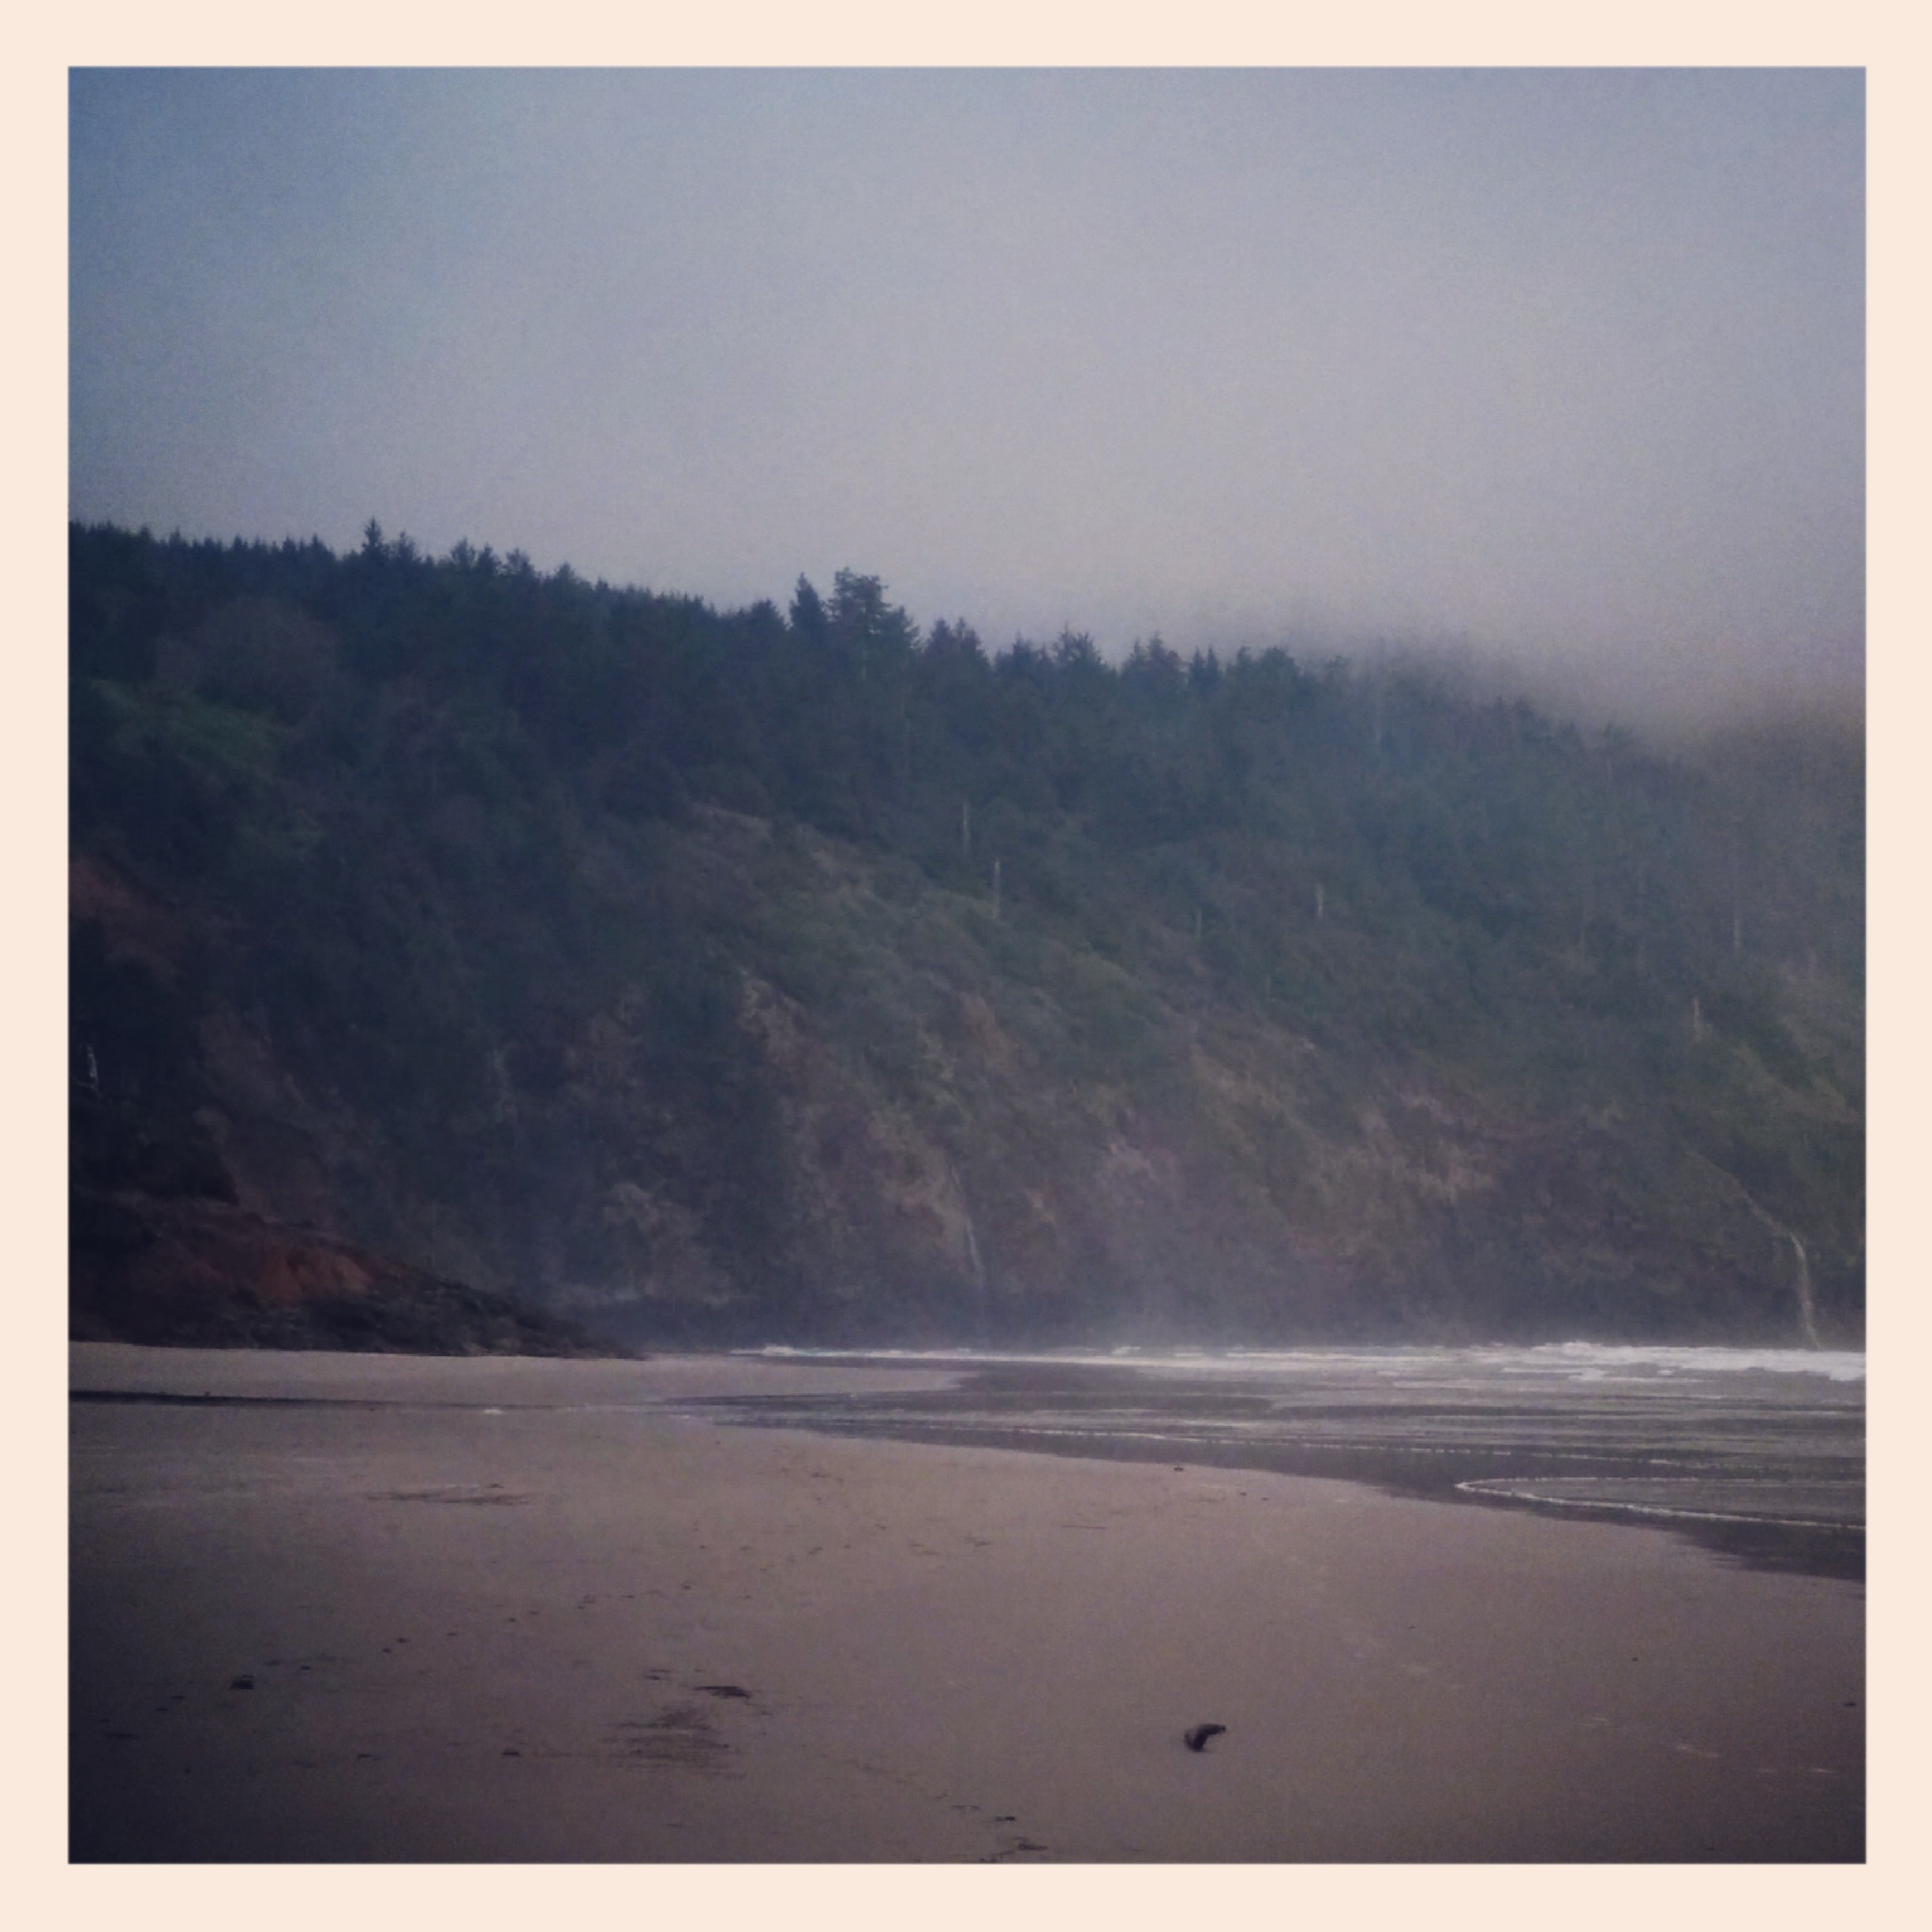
x: 1796, y: 1505
x: 515, y: 1608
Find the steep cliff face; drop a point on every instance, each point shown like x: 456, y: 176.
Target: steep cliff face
x: 950, y: 1127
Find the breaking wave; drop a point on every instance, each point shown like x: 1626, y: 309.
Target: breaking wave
x: 1578, y: 1361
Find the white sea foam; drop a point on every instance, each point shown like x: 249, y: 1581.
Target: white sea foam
x: 1571, y: 1362
x: 1599, y: 1358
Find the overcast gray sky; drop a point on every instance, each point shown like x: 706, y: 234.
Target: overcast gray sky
x: 1569, y: 364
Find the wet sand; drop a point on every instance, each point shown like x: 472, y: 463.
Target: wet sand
x: 355, y: 1607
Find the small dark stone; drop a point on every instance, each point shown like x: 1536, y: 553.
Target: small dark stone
x: 509, y: 1752
x: 725, y: 1690
x: 241, y: 1684
x: 1196, y: 1739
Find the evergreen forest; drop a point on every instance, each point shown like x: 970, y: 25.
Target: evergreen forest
x: 813, y: 975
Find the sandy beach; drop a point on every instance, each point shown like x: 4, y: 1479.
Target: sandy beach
x: 380, y: 1607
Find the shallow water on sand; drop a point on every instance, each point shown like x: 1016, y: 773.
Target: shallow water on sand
x: 1757, y: 1453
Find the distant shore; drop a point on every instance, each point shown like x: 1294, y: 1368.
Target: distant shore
x: 386, y: 1608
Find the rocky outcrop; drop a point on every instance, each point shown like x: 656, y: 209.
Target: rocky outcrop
x: 193, y: 1271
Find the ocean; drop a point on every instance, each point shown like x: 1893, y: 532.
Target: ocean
x: 1758, y: 1453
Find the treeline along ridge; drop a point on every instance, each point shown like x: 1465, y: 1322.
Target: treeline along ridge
x: 764, y: 975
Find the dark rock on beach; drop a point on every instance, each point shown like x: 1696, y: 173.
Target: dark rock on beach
x: 193, y: 1271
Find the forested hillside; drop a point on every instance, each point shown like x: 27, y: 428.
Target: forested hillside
x: 756, y: 975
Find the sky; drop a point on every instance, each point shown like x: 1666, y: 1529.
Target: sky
x: 1561, y: 370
